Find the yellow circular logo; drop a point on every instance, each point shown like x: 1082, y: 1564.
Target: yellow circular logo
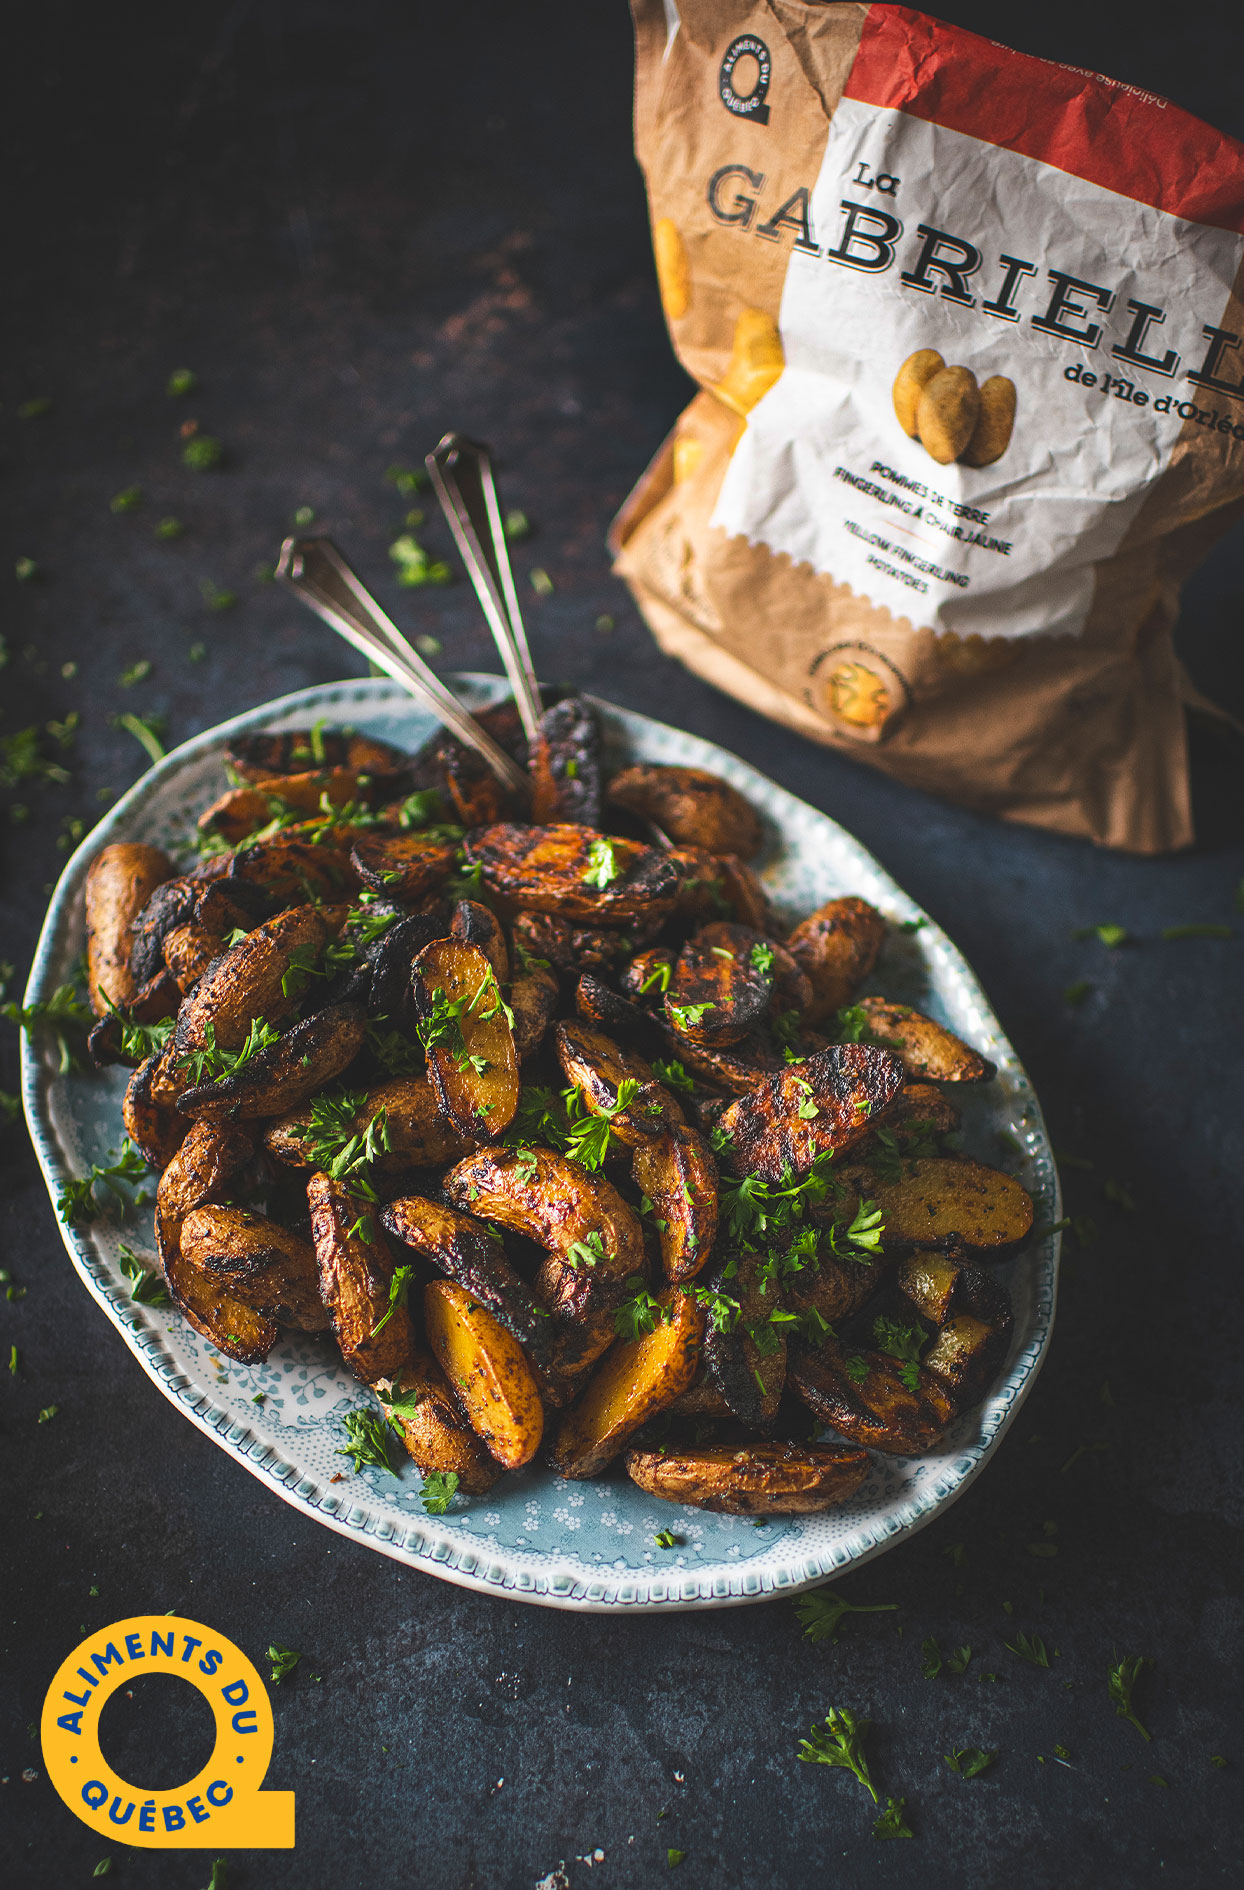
x: 223, y: 1804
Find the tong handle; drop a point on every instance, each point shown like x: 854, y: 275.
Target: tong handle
x: 315, y: 571
x: 462, y: 477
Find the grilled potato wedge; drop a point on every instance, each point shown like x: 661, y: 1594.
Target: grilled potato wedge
x: 929, y: 1051
x: 942, y: 1203
x: 486, y: 1367
x: 259, y: 756
x: 966, y: 1356
x: 837, y: 946
x: 744, y: 894
x: 736, y: 1070
x: 243, y: 811
x: 260, y: 1262
x: 479, y: 925
x: 593, y: 1238
x: 157, y: 1132
x: 864, y: 1398
x: 433, y: 1429
x: 300, y: 1063
x: 247, y: 981
x: 172, y: 903
x: 402, y: 866
x: 470, y: 1253
x: 533, y: 999
x: 119, y: 884
x: 646, y: 978
x: 972, y: 1312
x: 356, y: 1270
x: 574, y: 872
x: 203, y: 1168
x: 751, y: 1479
x: 635, y: 1380
x: 291, y: 865
x: 721, y: 985
x: 549, y: 940
x: 391, y: 960
x: 621, y: 1018
x: 471, y: 1057
x: 595, y: 1065
x: 565, y: 770
x: 823, y: 1103
x: 678, y: 1174
x: 833, y: 1289
x: 694, y: 807
x: 417, y: 1133
x: 922, y: 1107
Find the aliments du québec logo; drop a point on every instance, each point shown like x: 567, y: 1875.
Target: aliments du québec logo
x: 747, y: 58
x: 223, y: 1805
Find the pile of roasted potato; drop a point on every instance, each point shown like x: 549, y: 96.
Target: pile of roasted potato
x: 537, y: 1110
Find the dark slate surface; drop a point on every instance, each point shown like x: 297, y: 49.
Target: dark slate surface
x: 360, y: 225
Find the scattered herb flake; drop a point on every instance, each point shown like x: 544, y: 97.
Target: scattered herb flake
x: 182, y: 380
x: 439, y: 1486
x: 1029, y: 1647
x: 840, y: 1742
x: 969, y: 1761
x: 284, y: 1660
x: 892, y: 1823
x: 823, y: 1610
x: 1120, y: 1684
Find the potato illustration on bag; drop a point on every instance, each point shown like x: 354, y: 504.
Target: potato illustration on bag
x: 951, y: 416
x: 756, y: 361
x: 673, y: 272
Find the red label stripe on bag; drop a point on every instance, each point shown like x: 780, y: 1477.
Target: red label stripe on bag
x: 1117, y: 136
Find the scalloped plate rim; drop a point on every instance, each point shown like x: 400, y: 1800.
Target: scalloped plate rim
x: 422, y: 1547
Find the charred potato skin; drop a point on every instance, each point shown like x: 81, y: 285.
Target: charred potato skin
x: 418, y: 1134
x: 157, y: 1132
x: 848, y: 1085
x: 548, y: 869
x: 972, y: 1313
x: 597, y: 1067
x: 558, y: 943
x: 879, y: 1411
x: 753, y: 1480
x: 486, y: 1367
x: 599, y: 1004
x: 715, y: 972
x: 837, y: 946
x: 636, y: 1380
x: 466, y: 1252
x: 242, y: 811
x: 748, y: 1379
x: 566, y: 779
x: 533, y: 1000
x: 402, y: 866
x: 929, y: 1051
x: 171, y: 904
x: 355, y: 1274
x: 694, y: 807
x: 263, y: 1264
x: 479, y: 926
x: 203, y: 1167
x: 245, y: 982
x: 678, y: 1174
x: 291, y: 867
x: 478, y: 1103
x: 119, y: 883
x: 558, y: 1204
x: 436, y: 1434
x: 277, y: 1079
x: 259, y: 756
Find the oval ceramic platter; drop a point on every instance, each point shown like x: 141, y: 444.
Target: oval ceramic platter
x: 535, y: 1537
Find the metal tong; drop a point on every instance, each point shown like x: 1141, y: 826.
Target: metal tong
x: 317, y: 573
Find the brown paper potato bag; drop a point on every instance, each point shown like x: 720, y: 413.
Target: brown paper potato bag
x: 969, y: 333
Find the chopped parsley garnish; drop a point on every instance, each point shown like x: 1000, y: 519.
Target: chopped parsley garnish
x: 439, y: 1487
x: 441, y: 1029
x: 588, y: 1135
x: 856, y: 1368
x: 64, y: 1014
x: 807, y: 1110
x: 585, y: 1252
x: 658, y: 978
x: 399, y: 1288
x: 211, y: 1062
x: 722, y: 1312
x: 755, y: 1209
x: 393, y: 1051
x: 140, y: 1041
x: 917, y: 1141
x: 147, y: 731
x: 763, y: 957
x: 641, y: 1313
x: 284, y: 1660
x: 823, y: 1611
x: 840, y: 1742
x: 602, y: 866
x: 182, y: 380
x: 538, y: 1118
x: 851, y: 1024
x: 1112, y: 936
x: 147, y: 1287
x: 969, y: 1761
x: 892, y: 1823
x: 79, y: 1201
x: 689, y: 1016
x: 864, y: 1231
x: 1029, y: 1647
x: 1120, y: 1683
x: 202, y: 453
x: 369, y: 1442
x: 904, y: 1343
x: 672, y: 1074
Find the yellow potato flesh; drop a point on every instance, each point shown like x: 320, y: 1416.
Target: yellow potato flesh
x: 489, y: 1371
